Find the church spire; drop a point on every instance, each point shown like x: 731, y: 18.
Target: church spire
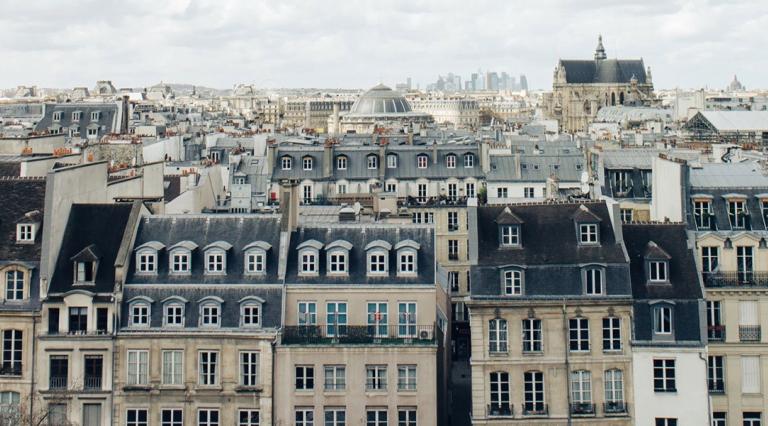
x: 600, y: 50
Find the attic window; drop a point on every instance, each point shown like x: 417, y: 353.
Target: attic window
x: 469, y: 160
x: 392, y: 161
x: 341, y: 162
x: 76, y: 116
x: 84, y: 272
x: 286, y: 162
x: 146, y: 262
x: 510, y: 235
x: 307, y: 163
x: 25, y: 233
x: 657, y: 271
x: 95, y: 115
x: 421, y: 161
x: 373, y: 162
x: 588, y: 233
x: 450, y: 161
x: 57, y: 116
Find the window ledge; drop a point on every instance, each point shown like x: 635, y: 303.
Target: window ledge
x: 244, y: 389
x: 498, y: 354
x: 208, y: 387
x: 172, y: 387
x: 533, y: 353
x: 131, y: 388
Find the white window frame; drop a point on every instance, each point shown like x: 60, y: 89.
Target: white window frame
x: 137, y: 421
x: 512, y: 281
x: 341, y: 162
x: 246, y: 319
x: 422, y: 161
x: 372, y: 161
x: 208, y: 368
x: 378, y: 262
x: 286, y: 162
x: 612, y: 334
x: 209, y: 417
x: 206, y: 318
x: 172, y: 367
x: 663, y: 320
x: 334, y: 377
x: 140, y: 374
x: 14, y: 285
x: 407, y: 377
x: 215, y: 258
x: 249, y: 417
x: 407, y: 262
x: 249, y: 370
x: 181, y: 263
x: 307, y: 163
x: 309, y: 262
x: 532, y: 335
x: 594, y: 284
x: 167, y: 314
x: 667, y: 368
x: 140, y: 313
x: 469, y: 160
x: 255, y: 262
x: 589, y: 233
x: 498, y: 336
x: 306, y: 379
x: 307, y: 313
x: 510, y: 235
x: 658, y: 271
x: 450, y: 161
x: 338, y: 262
x: 581, y: 387
x: 375, y: 377
x: 613, y: 382
x: 146, y: 262
x: 582, y: 342
x: 391, y: 161
x: 25, y: 232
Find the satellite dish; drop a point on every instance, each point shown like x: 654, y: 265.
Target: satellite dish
x: 584, y: 178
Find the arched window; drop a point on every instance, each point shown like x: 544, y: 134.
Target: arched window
x: 338, y: 257
x: 309, y: 257
x: 373, y: 161
x: 14, y: 285
x: 497, y: 335
x: 613, y: 99
x: 513, y: 282
x: 173, y: 312
x: 407, y: 263
x: 139, y: 311
x: 255, y: 259
x: 621, y: 98
x: 341, y: 162
x: 377, y: 254
x: 146, y: 257
x: 210, y: 311
x: 216, y: 257
x: 391, y: 161
x: 286, y: 162
x: 422, y: 160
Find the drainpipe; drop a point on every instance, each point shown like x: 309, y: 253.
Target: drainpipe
x: 567, y: 362
x: 34, y: 361
x: 706, y: 383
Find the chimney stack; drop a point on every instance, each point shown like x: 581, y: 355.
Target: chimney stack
x: 289, y: 204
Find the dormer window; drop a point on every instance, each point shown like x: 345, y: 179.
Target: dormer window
x: 421, y: 161
x: 407, y: 257
x: 139, y: 312
x: 377, y: 253
x: 662, y: 319
x: 14, y: 285
x: 469, y: 160
x: 450, y: 161
x: 338, y: 257
x: 513, y: 282
x: 57, y: 116
x: 588, y: 233
x: 309, y: 256
x: 737, y: 214
x: 510, y: 235
x: 173, y: 312
x: 76, y: 115
x: 210, y: 312
x: 250, y: 311
x: 95, y: 115
x: 216, y: 257
x: 657, y: 271
x: 391, y: 161
x: 146, y: 257
x: 25, y: 233
x: 372, y: 161
x: 256, y: 257
x: 181, y: 257
x: 84, y: 272
x: 306, y: 163
x: 593, y: 281
x: 341, y: 162
x: 286, y: 162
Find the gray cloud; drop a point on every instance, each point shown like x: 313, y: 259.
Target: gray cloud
x: 355, y: 43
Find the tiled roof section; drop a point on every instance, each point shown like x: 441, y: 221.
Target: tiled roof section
x: 729, y: 175
x: 19, y: 197
x: 106, y: 122
x: 536, y: 167
x: 549, y: 235
x: 236, y: 230
x: 360, y: 236
x: 653, y: 251
x: 604, y: 71
x: 584, y: 214
x: 100, y: 225
x: 672, y: 239
x: 171, y: 187
x: 506, y: 217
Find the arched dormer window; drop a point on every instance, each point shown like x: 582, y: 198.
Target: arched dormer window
x: 139, y: 311
x: 180, y: 257
x: 251, y: 311
x: 307, y: 162
x: 372, y: 160
x: 377, y: 257
x: 216, y: 257
x: 146, y: 257
x: 594, y: 280
x: 407, y: 257
x: 512, y: 281
x: 309, y: 257
x: 663, y: 320
x: 469, y: 160
x: 391, y: 161
x: 210, y: 311
x: 256, y: 257
x: 14, y: 285
x: 450, y: 161
x: 286, y: 162
x: 342, y: 161
x: 422, y: 160
x: 338, y: 257
x: 174, y: 309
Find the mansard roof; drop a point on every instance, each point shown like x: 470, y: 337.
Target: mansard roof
x: 19, y: 196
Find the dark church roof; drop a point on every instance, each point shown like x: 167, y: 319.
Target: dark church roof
x: 603, y: 71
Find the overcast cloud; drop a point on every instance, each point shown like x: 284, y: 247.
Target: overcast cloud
x: 348, y: 43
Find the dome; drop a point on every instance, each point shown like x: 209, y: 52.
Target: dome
x: 380, y: 100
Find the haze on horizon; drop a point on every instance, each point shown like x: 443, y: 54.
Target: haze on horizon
x: 355, y: 44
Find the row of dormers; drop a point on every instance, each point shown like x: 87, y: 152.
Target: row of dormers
x: 341, y: 162
x: 587, y: 227
x: 377, y: 255
x: 214, y: 257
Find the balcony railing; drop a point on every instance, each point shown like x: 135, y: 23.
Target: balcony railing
x: 57, y: 382
x: 535, y: 409
x: 735, y: 279
x: 749, y: 333
x: 716, y: 386
x: 583, y: 409
x: 359, y: 334
x: 11, y: 370
x: 432, y: 201
x: 615, y: 407
x: 453, y: 256
x: 92, y: 383
x: 500, y: 410
x: 716, y: 333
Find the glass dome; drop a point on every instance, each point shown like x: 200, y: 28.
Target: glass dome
x: 380, y: 100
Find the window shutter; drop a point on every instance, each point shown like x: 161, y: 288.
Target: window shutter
x: 750, y: 374
x: 748, y: 313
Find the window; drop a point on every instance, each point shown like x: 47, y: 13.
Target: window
x: 513, y: 283
x: 306, y: 196
x: 453, y: 221
x: 337, y: 262
x: 250, y: 315
x: 254, y: 262
x: 736, y: 214
x: 390, y: 187
x: 95, y: 116
x: 137, y: 417
x: 214, y: 263
x: 305, y: 377
x: 309, y: 262
x: 208, y: 368
x: 709, y: 259
x: 138, y: 367
x: 622, y: 182
x: 78, y: 320
x: 702, y: 214
x: 57, y: 116
x: 423, y: 217
x: 84, y: 272
x: 341, y: 162
x: 12, y: 352
x: 248, y: 418
x: 180, y: 263
x: 173, y: 367
x: 336, y: 318
x: 377, y: 262
x: 453, y: 281
x: 14, y: 285
x: 249, y: 368
x: 376, y: 417
x: 76, y: 116
x: 209, y: 315
x: 147, y: 263
x: 373, y: 162
x: 9, y: 406
x: 502, y: 192
x: 58, y: 372
x: 406, y: 319
x: 335, y: 417
x: 391, y: 161
x: 140, y: 314
x: 24, y: 233
x: 715, y: 379
x: 626, y: 215
x: 664, y: 375
x: 533, y: 392
x: 453, y: 249
x: 578, y: 334
x: 341, y: 188
x: 172, y: 417
x: 528, y: 192
x: 662, y: 320
x: 407, y: 264
x: 102, y: 318
x: 581, y: 387
x: 305, y: 417
x: 614, y: 390
x: 307, y: 313
x: 750, y: 374
x: 594, y: 281
x: 666, y: 421
x: 510, y: 235
x: 207, y: 417
x: 657, y: 271
x: 406, y: 377
x: 450, y: 161
x: 307, y: 163
x: 752, y: 419
x: 92, y: 131
x: 588, y: 233
x: 174, y: 314
x: 406, y: 417
x: 377, y: 319
x: 500, y: 393
x: 532, y: 335
x: 497, y: 335
x: 421, y: 161
x: 744, y: 263
x: 335, y: 377
x: 421, y: 191
x: 470, y: 190
x: 375, y: 377
x: 53, y: 320
x: 611, y: 334
x: 469, y: 160
x: 286, y: 163
x: 719, y: 418
x: 715, y: 329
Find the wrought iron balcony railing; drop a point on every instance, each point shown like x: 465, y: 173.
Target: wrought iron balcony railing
x: 406, y: 334
x: 735, y: 279
x: 716, y: 386
x: 57, y: 382
x: 583, y: 409
x: 749, y: 333
x: 92, y: 383
x: 500, y: 410
x: 716, y: 333
x: 615, y: 407
x: 11, y: 370
x: 535, y: 409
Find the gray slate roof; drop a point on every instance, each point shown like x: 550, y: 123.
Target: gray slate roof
x: 603, y: 71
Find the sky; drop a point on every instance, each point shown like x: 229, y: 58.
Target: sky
x: 357, y: 44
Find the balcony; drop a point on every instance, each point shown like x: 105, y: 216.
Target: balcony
x: 11, y: 370
x: 735, y: 279
x: 431, y: 201
x: 717, y: 387
x: 453, y: 256
x: 57, y: 383
x: 92, y: 383
x: 358, y: 335
x: 500, y: 410
x: 615, y: 408
x: 583, y: 409
x: 749, y: 333
x: 716, y: 333
x: 535, y: 409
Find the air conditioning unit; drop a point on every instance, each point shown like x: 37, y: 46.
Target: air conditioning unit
x: 424, y: 335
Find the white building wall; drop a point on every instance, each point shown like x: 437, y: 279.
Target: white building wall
x: 689, y: 405
x: 667, y: 193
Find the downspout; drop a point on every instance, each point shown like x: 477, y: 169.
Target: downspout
x: 114, y: 362
x: 706, y: 383
x: 34, y: 361
x: 567, y: 362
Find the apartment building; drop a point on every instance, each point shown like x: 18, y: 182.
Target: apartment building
x: 550, y: 314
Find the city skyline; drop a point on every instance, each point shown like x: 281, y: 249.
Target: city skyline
x: 312, y: 45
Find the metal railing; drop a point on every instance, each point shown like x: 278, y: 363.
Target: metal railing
x: 359, y: 334
x: 716, y: 386
x: 11, y: 370
x: 535, y: 409
x: 716, y: 333
x: 750, y: 333
x: 615, y: 407
x: 57, y: 382
x: 92, y: 383
x: 583, y: 409
x: 735, y: 279
x: 432, y: 201
x: 500, y: 410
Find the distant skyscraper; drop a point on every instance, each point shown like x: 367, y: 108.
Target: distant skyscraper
x: 409, y: 82
x: 523, y: 82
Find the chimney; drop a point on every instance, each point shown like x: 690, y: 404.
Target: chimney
x: 328, y: 158
x: 336, y: 119
x: 271, y: 153
x: 410, y: 135
x: 473, y: 245
x: 382, y: 160
x: 485, y: 156
x: 289, y: 205
x: 553, y: 187
x: 434, y: 152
